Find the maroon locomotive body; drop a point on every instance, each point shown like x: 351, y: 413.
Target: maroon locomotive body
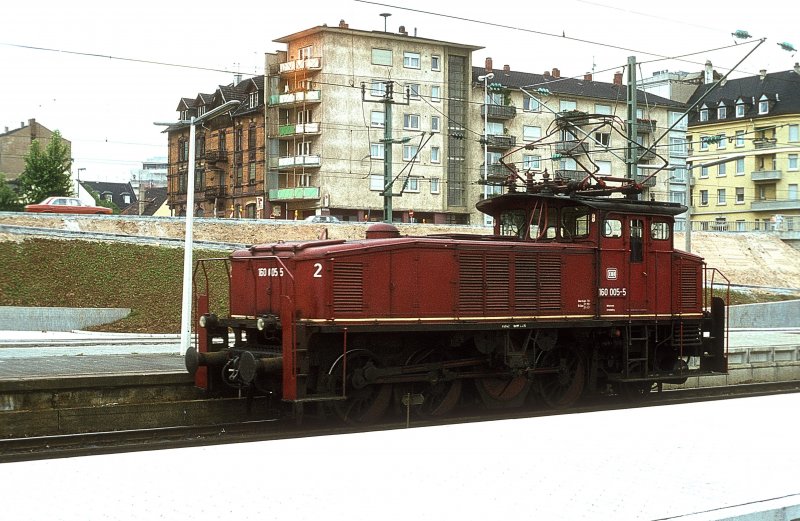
x: 570, y: 295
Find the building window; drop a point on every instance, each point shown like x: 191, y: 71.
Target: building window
x: 412, y: 184
x: 413, y: 90
x: 722, y: 142
x: 531, y: 133
x: 722, y: 112
x: 411, y: 60
x: 377, y: 119
x: 436, y: 93
x: 740, y: 166
x: 792, y: 161
x: 381, y: 57
x: 604, y: 167
x: 436, y: 124
x: 530, y: 104
x: 703, y: 172
x: 531, y: 162
x: 253, y: 100
x: 720, y: 196
x: 410, y: 152
x: 494, y: 128
x: 221, y: 146
x: 677, y: 197
x: 793, y: 192
x: 740, y: 110
x: 721, y: 170
x: 435, y: 185
x: 677, y: 146
x: 376, y: 151
x: 377, y: 88
x: 704, y: 142
x: 201, y: 110
x: 376, y: 182
x: 411, y: 121
x: 739, y: 195
x: 436, y: 62
x: 680, y: 117
x: 679, y: 175
x: 435, y: 155
x: 703, y: 114
x: 237, y: 172
x: 303, y: 148
x: 602, y: 109
x: 739, y: 138
x: 794, y: 133
x: 251, y: 173
x: 763, y: 106
x: 565, y: 105
x: 603, y: 139
x: 703, y: 197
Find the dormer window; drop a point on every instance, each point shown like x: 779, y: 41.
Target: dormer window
x: 722, y: 111
x: 184, y: 115
x: 253, y: 100
x: 763, y: 105
x: 740, y: 108
x: 201, y: 110
x: 703, y: 113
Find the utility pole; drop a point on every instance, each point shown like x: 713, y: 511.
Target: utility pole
x: 388, y: 141
x: 632, y: 152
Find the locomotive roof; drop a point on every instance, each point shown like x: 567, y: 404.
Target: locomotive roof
x: 495, y: 205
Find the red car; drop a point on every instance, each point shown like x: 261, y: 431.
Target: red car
x: 66, y: 205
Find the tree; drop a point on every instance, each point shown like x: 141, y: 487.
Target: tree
x: 47, y: 172
x: 9, y: 199
x: 99, y: 201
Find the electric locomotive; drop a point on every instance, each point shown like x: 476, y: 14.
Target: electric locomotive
x: 575, y: 292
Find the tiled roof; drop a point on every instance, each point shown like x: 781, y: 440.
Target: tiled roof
x: 782, y: 89
x: 154, y: 198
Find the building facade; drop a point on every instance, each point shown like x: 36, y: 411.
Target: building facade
x: 343, y: 118
x: 15, y: 145
x: 748, y: 133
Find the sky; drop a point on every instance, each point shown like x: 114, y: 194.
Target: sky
x: 101, y: 74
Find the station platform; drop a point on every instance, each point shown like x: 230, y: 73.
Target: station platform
x: 719, y: 460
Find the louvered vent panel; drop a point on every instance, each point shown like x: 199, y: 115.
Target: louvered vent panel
x: 470, y: 283
x: 549, y: 283
x: 526, y: 282
x: 348, y: 287
x: 688, y: 287
x: 497, y: 284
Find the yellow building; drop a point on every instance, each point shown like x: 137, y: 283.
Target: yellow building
x: 748, y: 133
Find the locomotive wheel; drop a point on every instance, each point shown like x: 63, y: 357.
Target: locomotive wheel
x: 364, y: 404
x: 503, y: 393
x: 563, y: 388
x: 439, y: 398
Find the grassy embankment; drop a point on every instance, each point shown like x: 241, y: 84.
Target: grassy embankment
x: 147, y: 279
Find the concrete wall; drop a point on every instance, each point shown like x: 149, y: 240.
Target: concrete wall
x: 14, y: 318
x: 765, y: 315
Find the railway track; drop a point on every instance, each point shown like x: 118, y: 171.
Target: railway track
x: 251, y: 430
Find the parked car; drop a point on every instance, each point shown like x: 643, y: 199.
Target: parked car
x: 321, y: 219
x: 66, y: 205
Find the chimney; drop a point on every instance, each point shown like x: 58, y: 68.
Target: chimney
x: 343, y: 24
x: 6, y: 130
x: 587, y: 76
x: 402, y: 30
x: 708, y: 77
x: 547, y: 75
x: 488, y: 65
x: 556, y: 73
x: 618, y: 78
x: 506, y: 69
x: 21, y: 124
x: 762, y: 74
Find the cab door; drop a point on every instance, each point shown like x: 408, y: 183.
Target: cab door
x: 638, y: 250
x: 623, y: 278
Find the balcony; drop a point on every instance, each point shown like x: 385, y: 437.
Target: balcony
x: 499, y: 111
x: 504, y: 142
x: 292, y: 162
x: 294, y: 194
x: 307, y: 64
x: 572, y: 118
x: 766, y: 176
x: 572, y: 147
x: 497, y: 173
x: 644, y: 181
x: 645, y: 126
x: 216, y: 156
x: 571, y: 175
x: 762, y: 143
x: 776, y: 205
x: 214, y: 191
x: 295, y: 98
x: 645, y: 154
x: 303, y: 129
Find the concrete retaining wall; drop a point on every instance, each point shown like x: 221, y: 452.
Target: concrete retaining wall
x: 17, y: 318
x: 765, y: 315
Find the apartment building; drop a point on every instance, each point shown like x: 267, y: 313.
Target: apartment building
x: 345, y: 117
x: 15, y: 144
x: 747, y: 132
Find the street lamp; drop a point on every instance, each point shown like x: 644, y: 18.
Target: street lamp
x: 186, y: 307
x: 78, y: 183
x: 485, y: 79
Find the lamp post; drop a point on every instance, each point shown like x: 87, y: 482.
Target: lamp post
x: 78, y: 183
x: 186, y: 302
x: 485, y: 79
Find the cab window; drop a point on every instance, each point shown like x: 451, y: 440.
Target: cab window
x: 612, y: 228
x: 660, y: 231
x: 575, y: 222
x: 513, y: 223
x: 637, y: 244
x: 543, y: 224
